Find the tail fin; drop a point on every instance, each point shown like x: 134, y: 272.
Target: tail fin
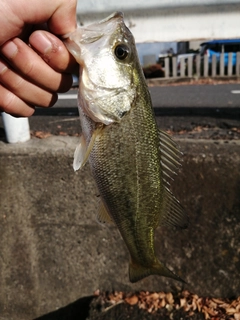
x: 138, y: 272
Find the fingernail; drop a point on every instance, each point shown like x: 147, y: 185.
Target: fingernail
x: 3, y: 67
x: 9, y: 49
x: 40, y: 42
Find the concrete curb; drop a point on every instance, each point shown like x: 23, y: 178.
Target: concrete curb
x: 53, y: 252
x: 192, y: 80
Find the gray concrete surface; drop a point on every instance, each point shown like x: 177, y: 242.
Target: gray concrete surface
x: 53, y: 251
x: 181, y: 95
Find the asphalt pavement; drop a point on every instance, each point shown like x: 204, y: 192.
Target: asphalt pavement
x: 178, y: 108
x: 211, y: 96
x: 180, y: 99
x: 220, y: 95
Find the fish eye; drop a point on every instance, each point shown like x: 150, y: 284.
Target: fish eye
x: 121, y: 51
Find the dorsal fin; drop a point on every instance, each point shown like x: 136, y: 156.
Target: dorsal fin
x: 170, y: 156
x: 173, y: 213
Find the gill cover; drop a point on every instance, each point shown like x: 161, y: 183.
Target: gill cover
x: 104, y: 52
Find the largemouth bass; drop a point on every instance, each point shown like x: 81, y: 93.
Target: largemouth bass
x: 130, y: 159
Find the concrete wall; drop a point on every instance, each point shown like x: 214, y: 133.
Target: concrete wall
x: 52, y: 250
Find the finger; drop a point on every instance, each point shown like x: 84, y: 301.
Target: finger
x: 25, y: 90
x: 60, y: 15
x: 31, y: 66
x: 63, y: 20
x: 53, y: 51
x: 13, y: 105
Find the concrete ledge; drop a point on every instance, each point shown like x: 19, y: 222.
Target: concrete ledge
x: 53, y: 252
x: 192, y: 80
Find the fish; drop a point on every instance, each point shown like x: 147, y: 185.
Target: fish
x: 131, y: 160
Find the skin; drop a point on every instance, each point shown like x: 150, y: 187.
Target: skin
x: 34, y: 63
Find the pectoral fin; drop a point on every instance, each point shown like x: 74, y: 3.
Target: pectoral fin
x: 83, y: 151
x: 80, y: 154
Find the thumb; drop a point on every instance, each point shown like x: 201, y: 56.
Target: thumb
x: 63, y: 19
x: 60, y: 15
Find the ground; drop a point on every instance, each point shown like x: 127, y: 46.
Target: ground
x: 148, y: 306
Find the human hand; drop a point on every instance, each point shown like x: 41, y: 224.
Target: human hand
x: 33, y: 74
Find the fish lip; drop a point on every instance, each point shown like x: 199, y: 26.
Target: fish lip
x: 78, y: 40
x: 116, y: 14
x: 92, y: 28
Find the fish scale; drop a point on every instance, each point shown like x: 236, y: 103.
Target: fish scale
x: 130, y: 159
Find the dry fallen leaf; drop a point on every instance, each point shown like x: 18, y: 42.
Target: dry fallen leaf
x: 162, y: 303
x: 199, y: 304
x: 183, y: 302
x: 161, y: 295
x: 41, y: 134
x: 154, y: 296
x: 132, y: 300
x: 218, y: 301
x: 231, y: 311
x: 211, y: 308
x: 169, y: 298
x: 237, y: 316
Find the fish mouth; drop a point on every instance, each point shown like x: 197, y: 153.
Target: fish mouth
x: 114, y: 15
x: 78, y: 40
x: 91, y: 33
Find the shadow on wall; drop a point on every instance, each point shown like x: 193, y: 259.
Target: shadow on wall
x: 76, y: 310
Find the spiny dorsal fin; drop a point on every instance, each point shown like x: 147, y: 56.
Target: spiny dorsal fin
x: 170, y: 156
x: 173, y: 213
